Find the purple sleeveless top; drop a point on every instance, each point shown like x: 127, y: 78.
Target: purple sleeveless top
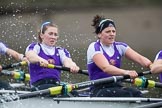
x: 37, y: 72
x: 94, y: 71
x: 159, y: 56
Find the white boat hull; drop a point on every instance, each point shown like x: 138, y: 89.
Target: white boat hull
x: 79, y: 102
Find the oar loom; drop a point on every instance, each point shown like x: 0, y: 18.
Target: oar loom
x: 20, y: 75
x: 69, y: 87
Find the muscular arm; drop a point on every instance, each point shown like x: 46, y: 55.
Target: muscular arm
x: 156, y: 67
x: 14, y: 54
x: 34, y: 58
x: 68, y: 62
x: 104, y: 65
x: 136, y: 57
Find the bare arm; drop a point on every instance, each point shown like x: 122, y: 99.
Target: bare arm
x: 72, y: 65
x: 34, y: 58
x: 136, y: 57
x: 104, y: 65
x: 156, y: 67
x: 17, y: 56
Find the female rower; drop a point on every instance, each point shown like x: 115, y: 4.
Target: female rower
x: 12, y: 53
x: 47, y: 52
x: 104, y: 60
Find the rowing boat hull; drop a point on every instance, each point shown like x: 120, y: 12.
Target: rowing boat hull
x: 79, y: 102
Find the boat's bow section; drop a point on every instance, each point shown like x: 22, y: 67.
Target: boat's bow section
x: 78, y: 102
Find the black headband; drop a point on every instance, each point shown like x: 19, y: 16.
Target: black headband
x: 103, y: 24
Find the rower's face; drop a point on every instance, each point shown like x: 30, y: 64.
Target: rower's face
x: 50, y: 36
x: 107, y: 36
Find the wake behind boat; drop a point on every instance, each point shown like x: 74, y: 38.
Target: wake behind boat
x: 79, y: 102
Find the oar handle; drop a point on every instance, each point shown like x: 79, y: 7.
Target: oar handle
x: 14, y: 65
x: 107, y: 80
x: 85, y: 72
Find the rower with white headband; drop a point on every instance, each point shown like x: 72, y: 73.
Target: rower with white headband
x: 41, y: 54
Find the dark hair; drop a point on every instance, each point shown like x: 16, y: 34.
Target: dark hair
x: 44, y: 27
x: 96, y: 21
x: 100, y: 23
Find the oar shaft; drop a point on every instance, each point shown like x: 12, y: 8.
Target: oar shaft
x: 18, y: 75
x: 157, y: 84
x: 68, y: 88
x: 33, y: 94
x: 100, y: 81
x: 6, y: 72
x: 85, y: 72
x: 14, y: 65
x: 145, y: 84
x: 144, y: 73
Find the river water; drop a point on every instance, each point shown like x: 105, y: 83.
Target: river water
x: 138, y: 27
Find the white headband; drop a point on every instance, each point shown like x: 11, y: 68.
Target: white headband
x: 43, y: 25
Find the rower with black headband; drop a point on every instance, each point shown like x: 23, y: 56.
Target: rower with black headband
x: 104, y: 60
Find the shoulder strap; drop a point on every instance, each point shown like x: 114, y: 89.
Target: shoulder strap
x: 97, y: 46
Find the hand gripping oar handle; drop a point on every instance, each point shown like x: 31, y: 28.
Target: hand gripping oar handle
x: 14, y: 65
x: 85, y: 72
